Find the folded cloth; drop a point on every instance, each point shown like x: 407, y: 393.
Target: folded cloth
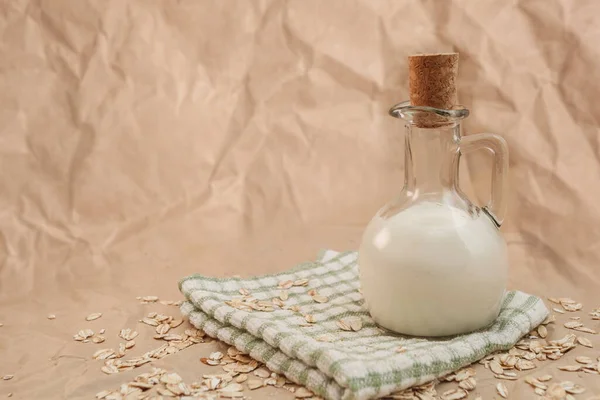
x: 335, y: 363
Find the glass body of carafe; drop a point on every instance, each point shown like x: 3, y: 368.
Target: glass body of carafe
x: 431, y: 262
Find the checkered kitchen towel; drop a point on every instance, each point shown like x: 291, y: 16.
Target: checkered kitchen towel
x: 354, y: 365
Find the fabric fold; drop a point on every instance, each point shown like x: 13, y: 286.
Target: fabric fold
x: 335, y: 363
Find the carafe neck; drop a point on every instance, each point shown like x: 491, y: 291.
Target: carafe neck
x: 431, y: 159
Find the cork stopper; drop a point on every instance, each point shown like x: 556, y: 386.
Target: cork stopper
x: 432, y: 80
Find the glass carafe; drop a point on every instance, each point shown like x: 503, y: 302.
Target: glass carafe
x: 431, y: 262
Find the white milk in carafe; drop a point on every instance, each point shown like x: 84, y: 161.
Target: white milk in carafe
x: 432, y: 270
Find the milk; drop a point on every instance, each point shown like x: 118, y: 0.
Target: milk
x: 433, y: 270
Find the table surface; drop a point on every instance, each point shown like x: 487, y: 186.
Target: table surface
x: 48, y: 363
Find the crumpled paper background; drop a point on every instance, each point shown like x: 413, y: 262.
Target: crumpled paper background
x: 141, y: 141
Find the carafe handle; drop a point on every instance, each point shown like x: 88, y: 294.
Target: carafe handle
x: 496, y: 144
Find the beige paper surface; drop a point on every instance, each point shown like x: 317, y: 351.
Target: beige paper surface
x: 141, y: 141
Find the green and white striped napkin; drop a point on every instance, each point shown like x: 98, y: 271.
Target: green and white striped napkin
x: 355, y: 365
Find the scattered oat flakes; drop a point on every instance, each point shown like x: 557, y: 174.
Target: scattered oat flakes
x: 556, y: 391
x: 104, y: 354
x: 566, y: 300
x: 570, y: 368
x: 83, y: 335
x: 93, y: 316
x: 171, y: 378
x: 302, y: 393
x: 572, y: 324
x: 544, y: 378
x: 243, y: 358
x: 502, y: 390
x: 309, y: 318
x: 572, y: 307
x: 163, y: 318
x: 141, y: 385
x: 121, y: 352
x: 506, y: 377
x: 286, y: 284
x: 149, y: 299
x: 542, y: 331
x: 103, y: 394
x: 585, y: 329
x: 232, y: 387
x: 50, y: 316
x: 468, y: 384
x: 128, y: 334
x: 209, y: 361
x: 301, y: 282
x: 454, y: 394
x: 194, y: 333
x: 496, y: 367
x: 549, y: 319
x: 320, y: 299
x: 554, y: 300
x: 270, y: 382
x: 535, y: 383
x: 241, y: 367
x: 583, y: 360
x: 464, y: 374
x: 283, y: 295
x: 98, y: 339
x: 355, y: 323
x: 400, y: 349
x: 109, y: 369
x: 584, y: 341
x: 150, y: 321
x: 172, y: 336
x: 7, y: 377
x: 343, y: 325
x: 572, y: 388
x: 277, y: 302
x: 241, y: 378
x: 164, y: 392
x: 175, y: 323
x: 162, y: 329
x: 262, y: 373
x: 524, y: 365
